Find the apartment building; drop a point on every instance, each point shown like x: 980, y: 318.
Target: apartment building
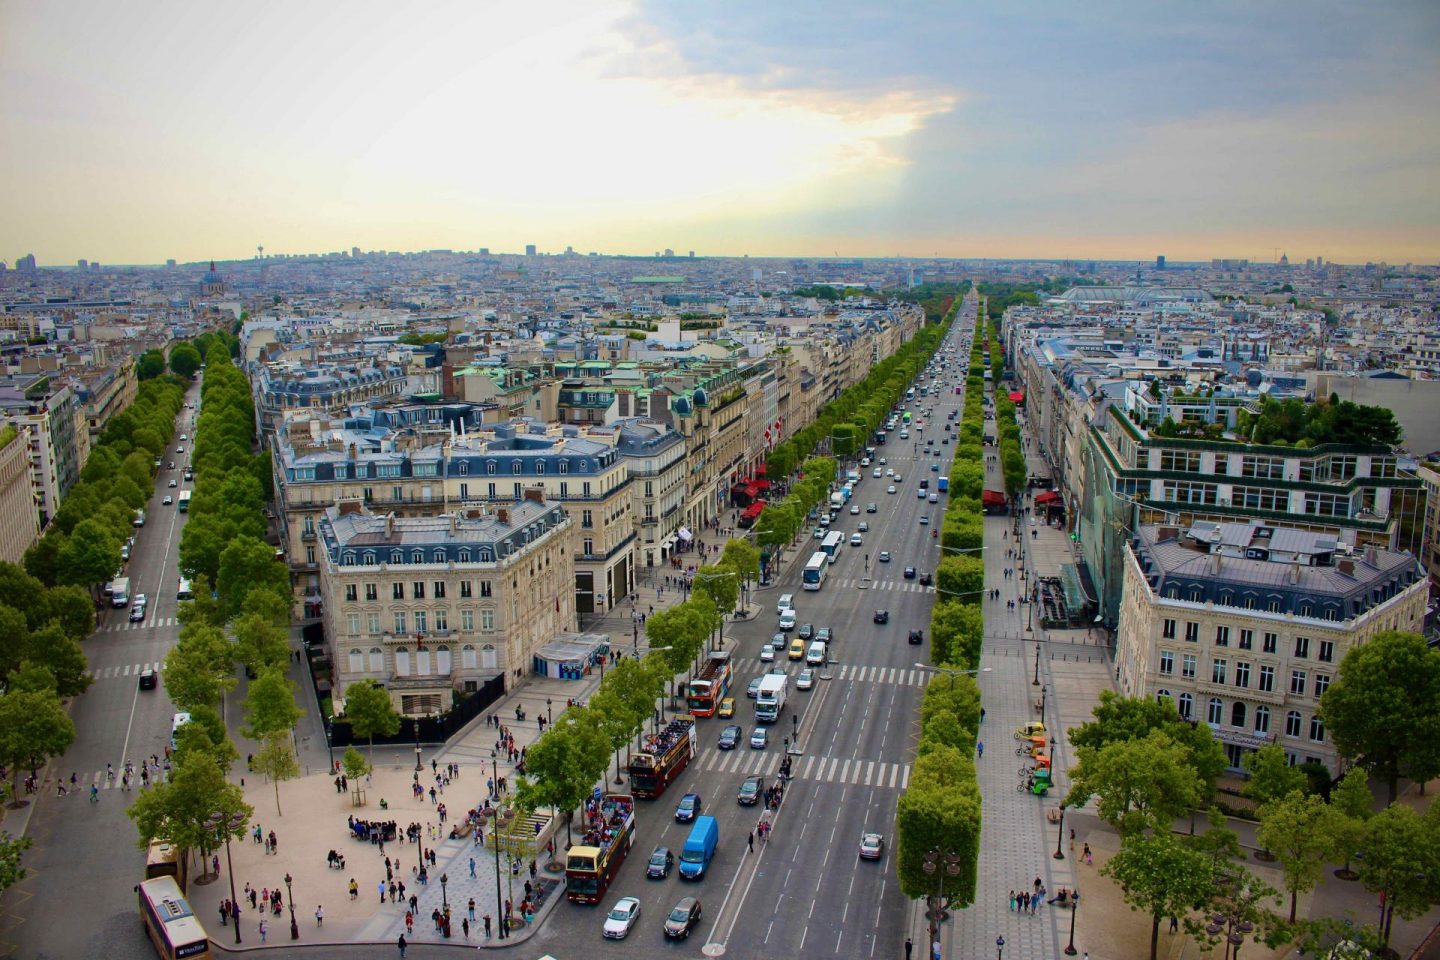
x: 1244, y: 624
x: 654, y: 455
x: 59, y: 439
x: 429, y: 607
x: 17, y: 495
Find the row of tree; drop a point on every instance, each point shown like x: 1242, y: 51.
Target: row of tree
x: 1012, y: 460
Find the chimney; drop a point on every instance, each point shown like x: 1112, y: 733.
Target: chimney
x: 352, y: 451
x: 1215, y: 565
x: 1370, y: 555
x: 1295, y: 572
x: 1346, y: 566
x: 1167, y: 533
x: 535, y: 495
x: 349, y: 506
x: 503, y: 515
x: 389, y: 526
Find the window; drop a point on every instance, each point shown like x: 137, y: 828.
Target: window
x: 372, y: 592
x: 1317, y: 729
x: 442, y: 660
x: 487, y: 619
x: 1217, y: 671
x: 1190, y: 492
x: 587, y: 519
x: 402, y: 661
x: 484, y: 588
x: 467, y: 620
x: 400, y: 621
x: 417, y: 589
x: 1247, y: 639
x: 1242, y: 674
x: 1168, y: 630
x: 1186, y: 705
x: 1222, y: 636
x: 1322, y: 683
x: 422, y: 621
x: 1192, y: 632
x: 1162, y: 695
x: 1214, y: 711
x: 1270, y: 468
x: 1262, y: 719
x: 357, y: 661
x: 1292, y: 723
x: 465, y: 590
x: 372, y: 623
x: 587, y: 547
x: 352, y: 593
x: 488, y: 658
x: 352, y: 623
x: 1181, y: 460
x: 377, y: 660
x: 397, y: 591
x: 1327, y: 504
x: 1237, y: 715
x: 442, y: 620
x: 1187, y: 666
x: 1271, y: 643
x: 1327, y: 651
x: 1261, y: 498
x: 467, y: 656
x: 422, y: 661
x: 396, y: 556
x: 1302, y: 646
x: 1297, y: 682
x: 1267, y: 679
x: 1167, y: 662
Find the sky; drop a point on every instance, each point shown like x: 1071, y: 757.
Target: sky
x: 132, y: 132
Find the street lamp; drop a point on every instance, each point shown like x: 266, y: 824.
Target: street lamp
x: 1044, y: 691
x: 415, y: 721
x: 444, y: 895
x: 1036, y: 682
x: 950, y: 671
x: 229, y: 824
x: 1070, y: 950
x: 941, y: 864
x: 1059, y: 834
x: 502, y: 922
x: 1235, y: 928
x: 549, y: 714
x: 290, y: 894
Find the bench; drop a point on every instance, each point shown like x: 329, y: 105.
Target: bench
x: 461, y: 830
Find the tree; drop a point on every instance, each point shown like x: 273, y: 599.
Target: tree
x: 12, y: 871
x: 69, y: 607
x: 720, y: 583
x: 91, y: 554
x: 276, y: 760
x: 42, y: 558
x: 1297, y: 829
x: 150, y: 365
x: 960, y: 577
x: 369, y: 711
x: 1271, y: 776
x: 1390, y: 684
x: 1352, y: 801
x: 354, y: 764
x: 258, y: 642
x: 1161, y: 876
x: 957, y: 631
x: 742, y: 557
x: 940, y: 811
x: 33, y: 728
x: 182, y: 809
x: 561, y: 767
x: 270, y: 706
x: 62, y: 656
x: 197, y: 669
x: 1140, y: 784
x: 184, y: 360
x: 246, y: 564
x: 1398, y: 859
x: 14, y: 639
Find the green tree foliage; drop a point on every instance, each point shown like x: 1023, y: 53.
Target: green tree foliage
x: 939, y: 811
x: 33, y: 728
x: 562, y: 766
x: 1352, y: 802
x: 354, y: 764
x: 246, y: 564
x: 1298, y: 830
x: 1162, y: 877
x: 1388, y: 685
x: 1141, y: 784
x: 62, y: 656
x: 369, y: 711
x: 270, y: 706
x: 206, y: 733
x: 90, y: 556
x: 742, y: 557
x: 182, y: 809
x: 960, y: 577
x: 1293, y: 421
x: 276, y: 760
x: 259, y: 643
x: 957, y: 632
x: 198, y: 669
x: 1398, y: 859
x: 12, y: 869
x: 1272, y: 778
x: 150, y: 365
x: 720, y: 583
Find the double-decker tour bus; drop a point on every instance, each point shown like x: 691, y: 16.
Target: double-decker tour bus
x: 609, y: 832
x: 711, y: 685
x: 169, y: 920
x: 662, y: 756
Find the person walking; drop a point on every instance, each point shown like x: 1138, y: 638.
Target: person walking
x: 320, y: 915
x: 980, y: 749
x: 908, y: 948
x: 264, y: 929
x: 472, y: 868
x: 402, y: 944
x: 750, y: 840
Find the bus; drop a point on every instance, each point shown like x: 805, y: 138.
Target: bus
x: 165, y: 859
x: 711, y: 686
x: 832, y: 543
x: 593, y: 863
x: 662, y: 757
x: 906, y: 416
x: 168, y: 919
x: 814, y: 575
x: 184, y: 501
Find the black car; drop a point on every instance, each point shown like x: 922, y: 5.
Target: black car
x: 909, y: 573
x: 688, y: 808
x: 750, y: 791
x: 660, y: 863
x: 926, y: 580
x: 917, y: 636
x: 882, y: 616
x: 148, y: 679
x: 730, y: 737
x: 806, y: 631
x: 683, y: 918
x: 825, y: 635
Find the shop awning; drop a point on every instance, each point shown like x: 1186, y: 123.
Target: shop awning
x: 760, y: 470
x: 753, y: 511
x: 685, y: 534
x: 1049, y: 496
x: 1017, y: 396
x: 760, y: 485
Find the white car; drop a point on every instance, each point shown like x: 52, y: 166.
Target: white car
x: 934, y: 498
x: 787, y: 602
x: 806, y: 680
x: 890, y: 472
x: 864, y: 461
x: 167, y: 501
x: 621, y: 918
x: 767, y: 654
x: 877, y: 473
x: 824, y: 520
x: 890, y: 489
x: 882, y: 462
x: 854, y: 509
x: 787, y: 619
x: 856, y: 540
x: 863, y: 527
x: 920, y: 493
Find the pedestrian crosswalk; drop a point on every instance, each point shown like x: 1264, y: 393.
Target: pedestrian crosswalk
x: 851, y: 770
x: 896, y: 586
x: 847, y: 671
x: 122, y: 670
x: 141, y: 625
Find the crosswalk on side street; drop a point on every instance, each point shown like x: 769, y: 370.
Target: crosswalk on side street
x: 123, y: 670
x: 145, y: 624
x: 851, y: 770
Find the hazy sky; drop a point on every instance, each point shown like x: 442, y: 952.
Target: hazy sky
x: 135, y: 131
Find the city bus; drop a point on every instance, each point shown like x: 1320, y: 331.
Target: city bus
x: 711, y: 686
x: 184, y: 501
x: 832, y: 543
x: 165, y: 859
x: 170, y: 922
x: 815, y: 568
x: 906, y: 416
x: 591, y: 865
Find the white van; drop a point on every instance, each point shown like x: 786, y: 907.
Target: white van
x: 178, y: 721
x: 184, y: 593
x: 787, y: 601
x: 816, y: 655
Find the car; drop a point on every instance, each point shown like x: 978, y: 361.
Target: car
x: 661, y: 860
x: 683, y: 918
x: 863, y: 527
x: 854, y: 509
x: 926, y: 580
x: 174, y: 483
x: 909, y: 573
x: 171, y: 467
x: 787, y: 602
x: 750, y: 790
x: 125, y: 552
x: 899, y: 479
x: 759, y: 738
x: 825, y: 635
x: 883, y: 461
x: 916, y: 636
x: 688, y: 808
x: 797, y: 649
x: 167, y: 501
x: 872, y: 846
x: 947, y: 440
x: 806, y: 631
x: 890, y: 489
x: 189, y: 474
x: 184, y: 437
x: 890, y: 472
x: 882, y: 616
x: 730, y: 737
x: 753, y: 690
x: 864, y: 461
x: 787, y: 620
x: 877, y: 473
x: 148, y: 678
x: 884, y: 556
x: 934, y: 498
x: 727, y: 708
x: 872, y: 507
x: 819, y: 533
x: 920, y: 494
x: 856, y: 540
x: 179, y: 449
x: 924, y: 520
x: 934, y: 468
x: 767, y: 653
x: 621, y: 918
x: 806, y: 680
x: 137, y: 612
x: 824, y: 520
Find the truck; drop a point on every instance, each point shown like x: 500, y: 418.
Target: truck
x: 120, y: 592
x: 662, y: 757
x: 699, y: 848
x: 837, y: 501
x: 943, y: 484
x: 770, y: 698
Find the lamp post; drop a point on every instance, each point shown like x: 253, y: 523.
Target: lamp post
x: 1234, y: 927
x: 290, y: 894
x: 938, y: 864
x: 1030, y: 610
x: 549, y: 713
x: 444, y: 894
x: 1036, y: 682
x: 1070, y: 950
x: 952, y: 673
x: 1044, y: 693
x: 229, y: 824
x: 1059, y: 835
x: 415, y: 721
x: 501, y: 921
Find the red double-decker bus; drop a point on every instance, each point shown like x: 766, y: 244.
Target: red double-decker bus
x: 591, y: 865
x: 710, y: 686
x: 662, y: 757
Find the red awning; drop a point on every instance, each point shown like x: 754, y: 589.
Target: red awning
x: 760, y: 470
x: 761, y: 485
x: 753, y: 511
x: 1017, y: 396
x: 1049, y: 496
x: 992, y: 497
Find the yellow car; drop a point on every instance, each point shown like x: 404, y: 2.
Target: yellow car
x: 727, y: 707
x: 797, y: 649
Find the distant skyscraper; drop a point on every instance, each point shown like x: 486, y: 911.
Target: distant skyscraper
x: 529, y: 249
x: 484, y: 251
x: 25, y: 264
x: 1160, y: 262
x: 170, y: 262
x: 82, y: 264
x: 355, y: 252
x: 692, y: 254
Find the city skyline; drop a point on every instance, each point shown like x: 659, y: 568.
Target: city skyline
x: 141, y: 133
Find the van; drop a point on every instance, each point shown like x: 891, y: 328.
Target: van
x: 176, y: 722
x: 139, y: 518
x: 184, y: 593
x: 816, y: 655
x: 787, y: 601
x: 699, y: 848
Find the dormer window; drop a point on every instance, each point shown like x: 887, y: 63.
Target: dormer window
x: 396, y: 556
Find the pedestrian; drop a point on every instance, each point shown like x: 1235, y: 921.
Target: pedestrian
x: 750, y: 840
x: 487, y: 926
x: 465, y: 926
x: 471, y: 909
x: 224, y: 913
x: 254, y: 899
x: 264, y: 929
x: 320, y: 915
x: 381, y: 885
x: 354, y: 889
x: 908, y: 947
x: 1086, y: 855
x: 1174, y: 924
x: 980, y: 747
x: 472, y: 867
x: 1012, y: 901
x: 402, y: 945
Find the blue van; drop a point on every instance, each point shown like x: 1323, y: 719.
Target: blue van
x: 699, y: 848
